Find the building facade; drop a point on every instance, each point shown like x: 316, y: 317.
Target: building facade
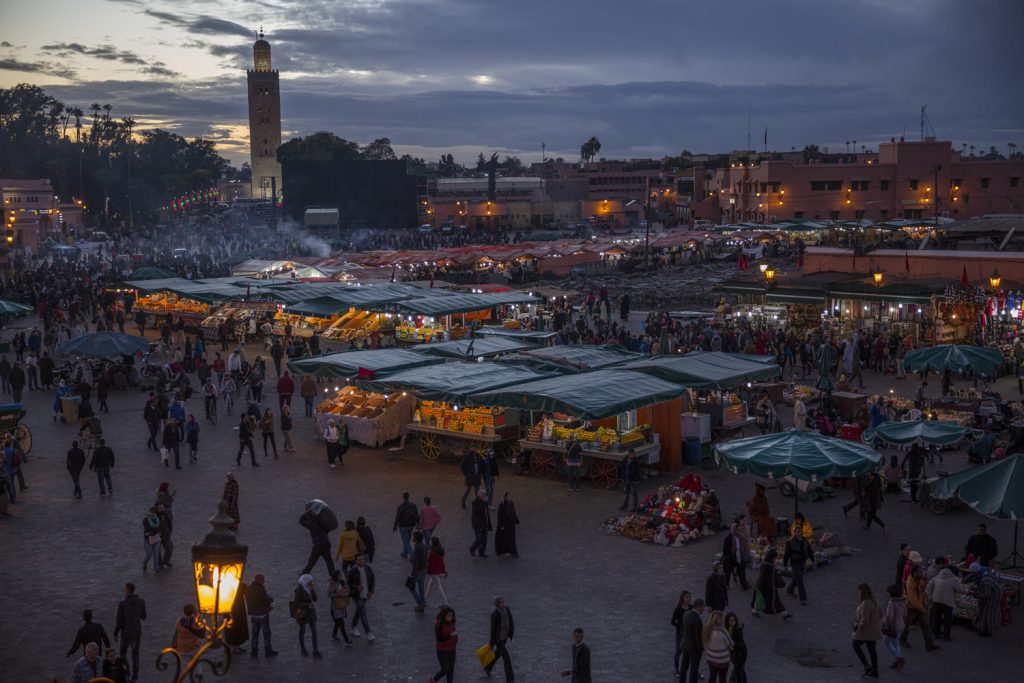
x: 31, y: 213
x: 912, y: 180
x: 264, y: 122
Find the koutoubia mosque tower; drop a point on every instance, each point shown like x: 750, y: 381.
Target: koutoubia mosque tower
x: 264, y: 122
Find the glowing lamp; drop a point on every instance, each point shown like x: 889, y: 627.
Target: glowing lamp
x: 877, y: 275
x: 769, y: 274
x: 995, y: 279
x: 218, y: 560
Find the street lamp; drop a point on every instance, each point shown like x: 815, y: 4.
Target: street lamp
x: 218, y: 561
x: 995, y: 279
x: 769, y: 275
x: 877, y: 275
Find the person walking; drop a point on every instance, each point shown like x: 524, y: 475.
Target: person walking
x: 505, y: 535
x: 151, y: 416
x: 857, y: 488
x: 338, y: 594
x: 88, y: 666
x: 366, y: 534
x: 230, y: 496
x: 470, y: 468
x: 349, y: 545
x: 258, y: 603
x: 131, y: 612
x: 267, y: 431
x: 17, y: 380
x: 436, y: 570
x: 580, y: 670
x: 893, y: 622
x: 916, y: 611
x: 171, y: 444
x: 503, y: 629
x: 867, y: 630
x: 418, y: 571
x: 573, y: 462
x: 406, y: 519
x: 245, y: 434
x: 286, y: 428
x: 630, y: 480
x: 151, y: 539
x: 102, y: 462
x: 307, y: 390
x: 446, y: 639
x: 480, y: 520
x: 192, y: 439
x: 691, y: 643
x: 89, y: 632
x: 682, y: 607
x: 303, y: 610
x: 331, y: 436
x: 766, y: 591
x: 798, y: 552
x: 738, y: 656
x: 166, y: 545
x: 942, y: 592
x: 489, y: 471
x: 361, y: 584
x: 75, y: 464
x: 718, y: 647
x: 736, y: 553
x: 430, y: 517
x: 872, y: 501
x: 913, y: 464
x: 285, y: 389
x: 115, y: 667
x: 321, y: 544
x: 716, y: 589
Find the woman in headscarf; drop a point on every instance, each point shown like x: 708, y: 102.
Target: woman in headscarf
x: 237, y: 634
x: 230, y: 497
x: 760, y: 515
x: 304, y: 612
x: 505, y: 536
x: 989, y: 592
x: 767, y: 587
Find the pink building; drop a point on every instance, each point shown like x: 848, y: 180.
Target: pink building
x: 904, y: 180
x: 31, y: 212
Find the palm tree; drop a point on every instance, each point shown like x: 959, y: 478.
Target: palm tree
x: 590, y: 148
x: 811, y: 152
x: 972, y: 150
x: 129, y: 123
x: 847, y: 146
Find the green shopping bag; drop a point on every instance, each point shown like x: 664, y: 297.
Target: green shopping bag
x: 759, y: 602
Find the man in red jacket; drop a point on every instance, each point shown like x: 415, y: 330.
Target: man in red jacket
x: 285, y: 389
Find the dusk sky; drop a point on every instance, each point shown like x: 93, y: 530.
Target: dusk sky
x: 648, y: 77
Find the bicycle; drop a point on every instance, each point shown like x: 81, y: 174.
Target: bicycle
x: 210, y: 403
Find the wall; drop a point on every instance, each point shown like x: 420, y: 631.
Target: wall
x: 948, y: 265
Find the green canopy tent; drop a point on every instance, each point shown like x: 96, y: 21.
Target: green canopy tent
x: 806, y: 456
x: 474, y: 348
x: 105, y: 345
x: 320, y: 307
x: 923, y: 432
x: 348, y: 363
x: 499, y: 331
x: 588, y: 395
x: 151, y: 273
x: 578, y: 358
x: 453, y: 382
x: 995, y: 489
x: 710, y: 371
x: 955, y: 358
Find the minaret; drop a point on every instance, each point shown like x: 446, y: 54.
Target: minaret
x: 264, y: 121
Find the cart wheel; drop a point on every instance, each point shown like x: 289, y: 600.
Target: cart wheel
x: 512, y: 453
x: 543, y: 463
x: 24, y: 436
x: 430, y: 446
x: 480, y: 448
x: 604, y: 472
x: 938, y: 506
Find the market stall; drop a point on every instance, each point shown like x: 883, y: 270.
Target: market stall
x: 352, y: 364
x: 578, y: 358
x: 922, y: 432
x: 236, y: 315
x: 604, y: 410
x: 955, y: 358
x: 676, y: 515
x: 372, y: 419
x: 159, y: 304
x: 444, y: 423
x: 473, y: 349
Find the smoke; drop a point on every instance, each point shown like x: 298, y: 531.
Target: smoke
x: 311, y: 244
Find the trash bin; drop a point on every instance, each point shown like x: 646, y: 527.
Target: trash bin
x: 69, y: 408
x: 693, y: 450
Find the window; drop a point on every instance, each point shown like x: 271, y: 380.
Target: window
x: 884, y: 213
x: 798, y: 214
x: 826, y: 185
x: 884, y: 185
x: 858, y: 214
x: 859, y: 185
x: 984, y: 182
x: 954, y: 184
x: 1014, y: 182
x: 913, y: 184
x: 834, y: 215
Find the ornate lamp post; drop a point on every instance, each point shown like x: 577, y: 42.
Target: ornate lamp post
x: 218, y: 561
x: 769, y: 275
x: 995, y: 279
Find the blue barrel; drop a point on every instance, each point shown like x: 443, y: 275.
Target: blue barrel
x: 693, y: 450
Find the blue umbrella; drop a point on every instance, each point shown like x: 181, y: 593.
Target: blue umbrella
x: 105, y: 345
x: 12, y: 308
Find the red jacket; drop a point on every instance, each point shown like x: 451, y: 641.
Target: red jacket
x: 285, y: 385
x: 446, y: 640
x: 435, y: 563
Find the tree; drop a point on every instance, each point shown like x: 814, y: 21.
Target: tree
x: 380, y: 150
x: 513, y: 166
x: 414, y: 165
x: 811, y: 153
x: 590, y: 148
x: 481, y: 162
x: 320, y: 146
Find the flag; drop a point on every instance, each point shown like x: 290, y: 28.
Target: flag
x: 963, y: 278
x: 365, y: 373
x: 766, y: 137
x: 906, y: 262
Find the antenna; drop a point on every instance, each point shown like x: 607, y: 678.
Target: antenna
x: 749, y: 107
x: 261, y: 30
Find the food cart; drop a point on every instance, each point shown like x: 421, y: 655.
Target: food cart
x: 372, y: 419
x: 159, y: 304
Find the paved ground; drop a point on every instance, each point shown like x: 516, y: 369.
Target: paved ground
x: 60, y: 555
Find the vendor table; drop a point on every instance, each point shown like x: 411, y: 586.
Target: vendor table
x: 435, y: 441
x: 849, y: 404
x: 548, y: 457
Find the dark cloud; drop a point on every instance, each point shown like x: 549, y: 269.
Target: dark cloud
x: 110, y: 53
x: 202, y: 23
x: 7, y: 64
x: 5, y: 44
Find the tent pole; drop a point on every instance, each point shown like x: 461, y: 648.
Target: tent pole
x: 1011, y: 561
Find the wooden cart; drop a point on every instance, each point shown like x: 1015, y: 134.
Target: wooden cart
x: 546, y: 458
x: 435, y: 442
x: 10, y: 422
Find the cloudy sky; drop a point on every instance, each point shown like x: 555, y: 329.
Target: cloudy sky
x: 647, y: 77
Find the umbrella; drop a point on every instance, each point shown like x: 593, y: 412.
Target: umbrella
x: 12, y: 308
x: 995, y: 490
x: 828, y: 356
x: 955, y: 358
x: 105, y: 344
x: 802, y: 455
x: 925, y: 432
